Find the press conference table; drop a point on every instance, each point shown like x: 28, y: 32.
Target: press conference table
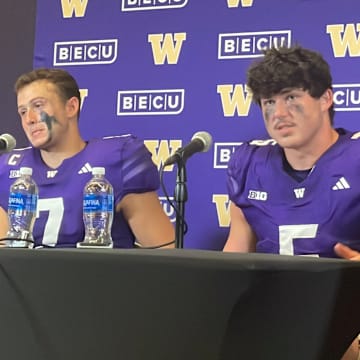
x: 175, y: 304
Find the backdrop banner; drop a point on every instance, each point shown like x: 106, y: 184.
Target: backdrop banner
x: 166, y: 69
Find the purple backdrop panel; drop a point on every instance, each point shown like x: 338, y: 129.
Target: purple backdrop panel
x: 165, y: 69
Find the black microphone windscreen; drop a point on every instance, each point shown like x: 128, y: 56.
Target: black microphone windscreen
x: 9, y: 142
x: 205, y: 138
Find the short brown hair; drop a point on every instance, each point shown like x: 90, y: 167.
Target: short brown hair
x: 65, y: 83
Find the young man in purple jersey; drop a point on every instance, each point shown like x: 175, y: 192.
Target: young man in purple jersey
x: 49, y: 108
x: 297, y: 193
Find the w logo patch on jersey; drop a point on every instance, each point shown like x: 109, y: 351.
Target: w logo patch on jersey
x: 51, y: 174
x: 299, y: 193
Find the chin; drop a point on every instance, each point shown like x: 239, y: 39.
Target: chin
x: 287, y: 142
x: 38, y: 143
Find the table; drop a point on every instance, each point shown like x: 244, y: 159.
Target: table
x: 175, y: 304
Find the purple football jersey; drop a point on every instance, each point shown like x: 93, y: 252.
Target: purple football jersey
x: 128, y: 167
x: 299, y: 218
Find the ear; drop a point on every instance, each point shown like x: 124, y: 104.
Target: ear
x: 326, y: 99
x: 72, y: 106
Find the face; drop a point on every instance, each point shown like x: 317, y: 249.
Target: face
x: 295, y: 119
x: 43, y: 113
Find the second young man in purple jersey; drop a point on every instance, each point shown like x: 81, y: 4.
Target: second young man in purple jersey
x: 297, y: 193
x: 49, y: 107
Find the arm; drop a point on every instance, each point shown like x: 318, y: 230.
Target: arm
x: 4, y: 225
x: 346, y: 252
x: 241, y: 237
x: 352, y: 353
x: 147, y: 219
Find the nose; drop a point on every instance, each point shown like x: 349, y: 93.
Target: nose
x: 31, y: 116
x: 280, y: 109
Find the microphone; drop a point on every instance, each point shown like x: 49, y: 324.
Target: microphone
x: 7, y: 143
x: 200, y: 142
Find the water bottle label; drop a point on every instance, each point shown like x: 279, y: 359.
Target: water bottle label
x: 94, y: 202
x: 18, y: 201
x: 110, y: 203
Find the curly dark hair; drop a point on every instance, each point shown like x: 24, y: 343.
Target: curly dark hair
x: 289, y: 67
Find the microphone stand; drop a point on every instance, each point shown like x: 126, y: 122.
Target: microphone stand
x: 180, y: 197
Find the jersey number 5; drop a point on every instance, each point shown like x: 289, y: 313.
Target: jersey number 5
x: 287, y: 234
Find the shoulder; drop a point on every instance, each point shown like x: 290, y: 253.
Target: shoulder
x: 127, y: 142
x: 120, y: 151
x: 351, y: 137
x: 349, y: 141
x: 15, y: 157
x: 126, y: 158
x: 247, y: 161
x: 117, y: 147
x: 252, y: 151
x: 114, y: 140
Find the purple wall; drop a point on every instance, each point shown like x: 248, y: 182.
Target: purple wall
x: 17, y: 26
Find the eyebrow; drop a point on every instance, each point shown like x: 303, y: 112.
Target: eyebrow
x: 32, y: 101
x: 287, y: 90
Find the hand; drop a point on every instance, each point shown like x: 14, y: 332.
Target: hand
x: 347, y: 253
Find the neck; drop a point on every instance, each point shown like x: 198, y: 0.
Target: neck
x: 54, y: 157
x: 305, y: 158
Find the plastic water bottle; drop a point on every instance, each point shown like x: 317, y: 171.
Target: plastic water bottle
x: 22, y: 206
x: 98, y: 210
